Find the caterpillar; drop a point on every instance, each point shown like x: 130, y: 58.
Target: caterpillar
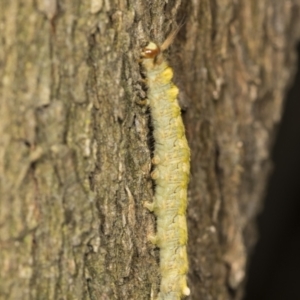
x: 171, y: 162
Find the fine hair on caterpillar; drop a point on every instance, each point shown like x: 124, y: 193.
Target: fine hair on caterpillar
x: 171, y: 164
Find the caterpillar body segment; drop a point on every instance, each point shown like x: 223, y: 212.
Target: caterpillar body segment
x: 171, y: 173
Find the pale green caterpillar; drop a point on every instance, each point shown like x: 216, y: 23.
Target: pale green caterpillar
x: 171, y: 174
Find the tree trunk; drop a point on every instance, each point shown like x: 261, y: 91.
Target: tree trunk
x: 75, y: 152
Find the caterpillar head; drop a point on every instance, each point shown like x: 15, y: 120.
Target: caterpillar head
x: 151, y: 51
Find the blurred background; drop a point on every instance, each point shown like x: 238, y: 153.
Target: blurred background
x: 274, y: 269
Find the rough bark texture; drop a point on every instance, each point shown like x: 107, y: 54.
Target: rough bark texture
x: 75, y: 150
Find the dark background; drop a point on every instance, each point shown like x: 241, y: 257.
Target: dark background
x: 274, y: 269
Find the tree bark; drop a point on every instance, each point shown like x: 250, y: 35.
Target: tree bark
x: 75, y: 150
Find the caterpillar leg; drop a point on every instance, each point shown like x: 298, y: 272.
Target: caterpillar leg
x: 155, y: 174
x: 186, y: 291
x: 155, y: 160
x: 144, y: 102
x: 149, y: 205
x: 153, y: 239
x: 143, y: 80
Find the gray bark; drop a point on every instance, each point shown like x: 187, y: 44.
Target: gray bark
x: 75, y: 155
